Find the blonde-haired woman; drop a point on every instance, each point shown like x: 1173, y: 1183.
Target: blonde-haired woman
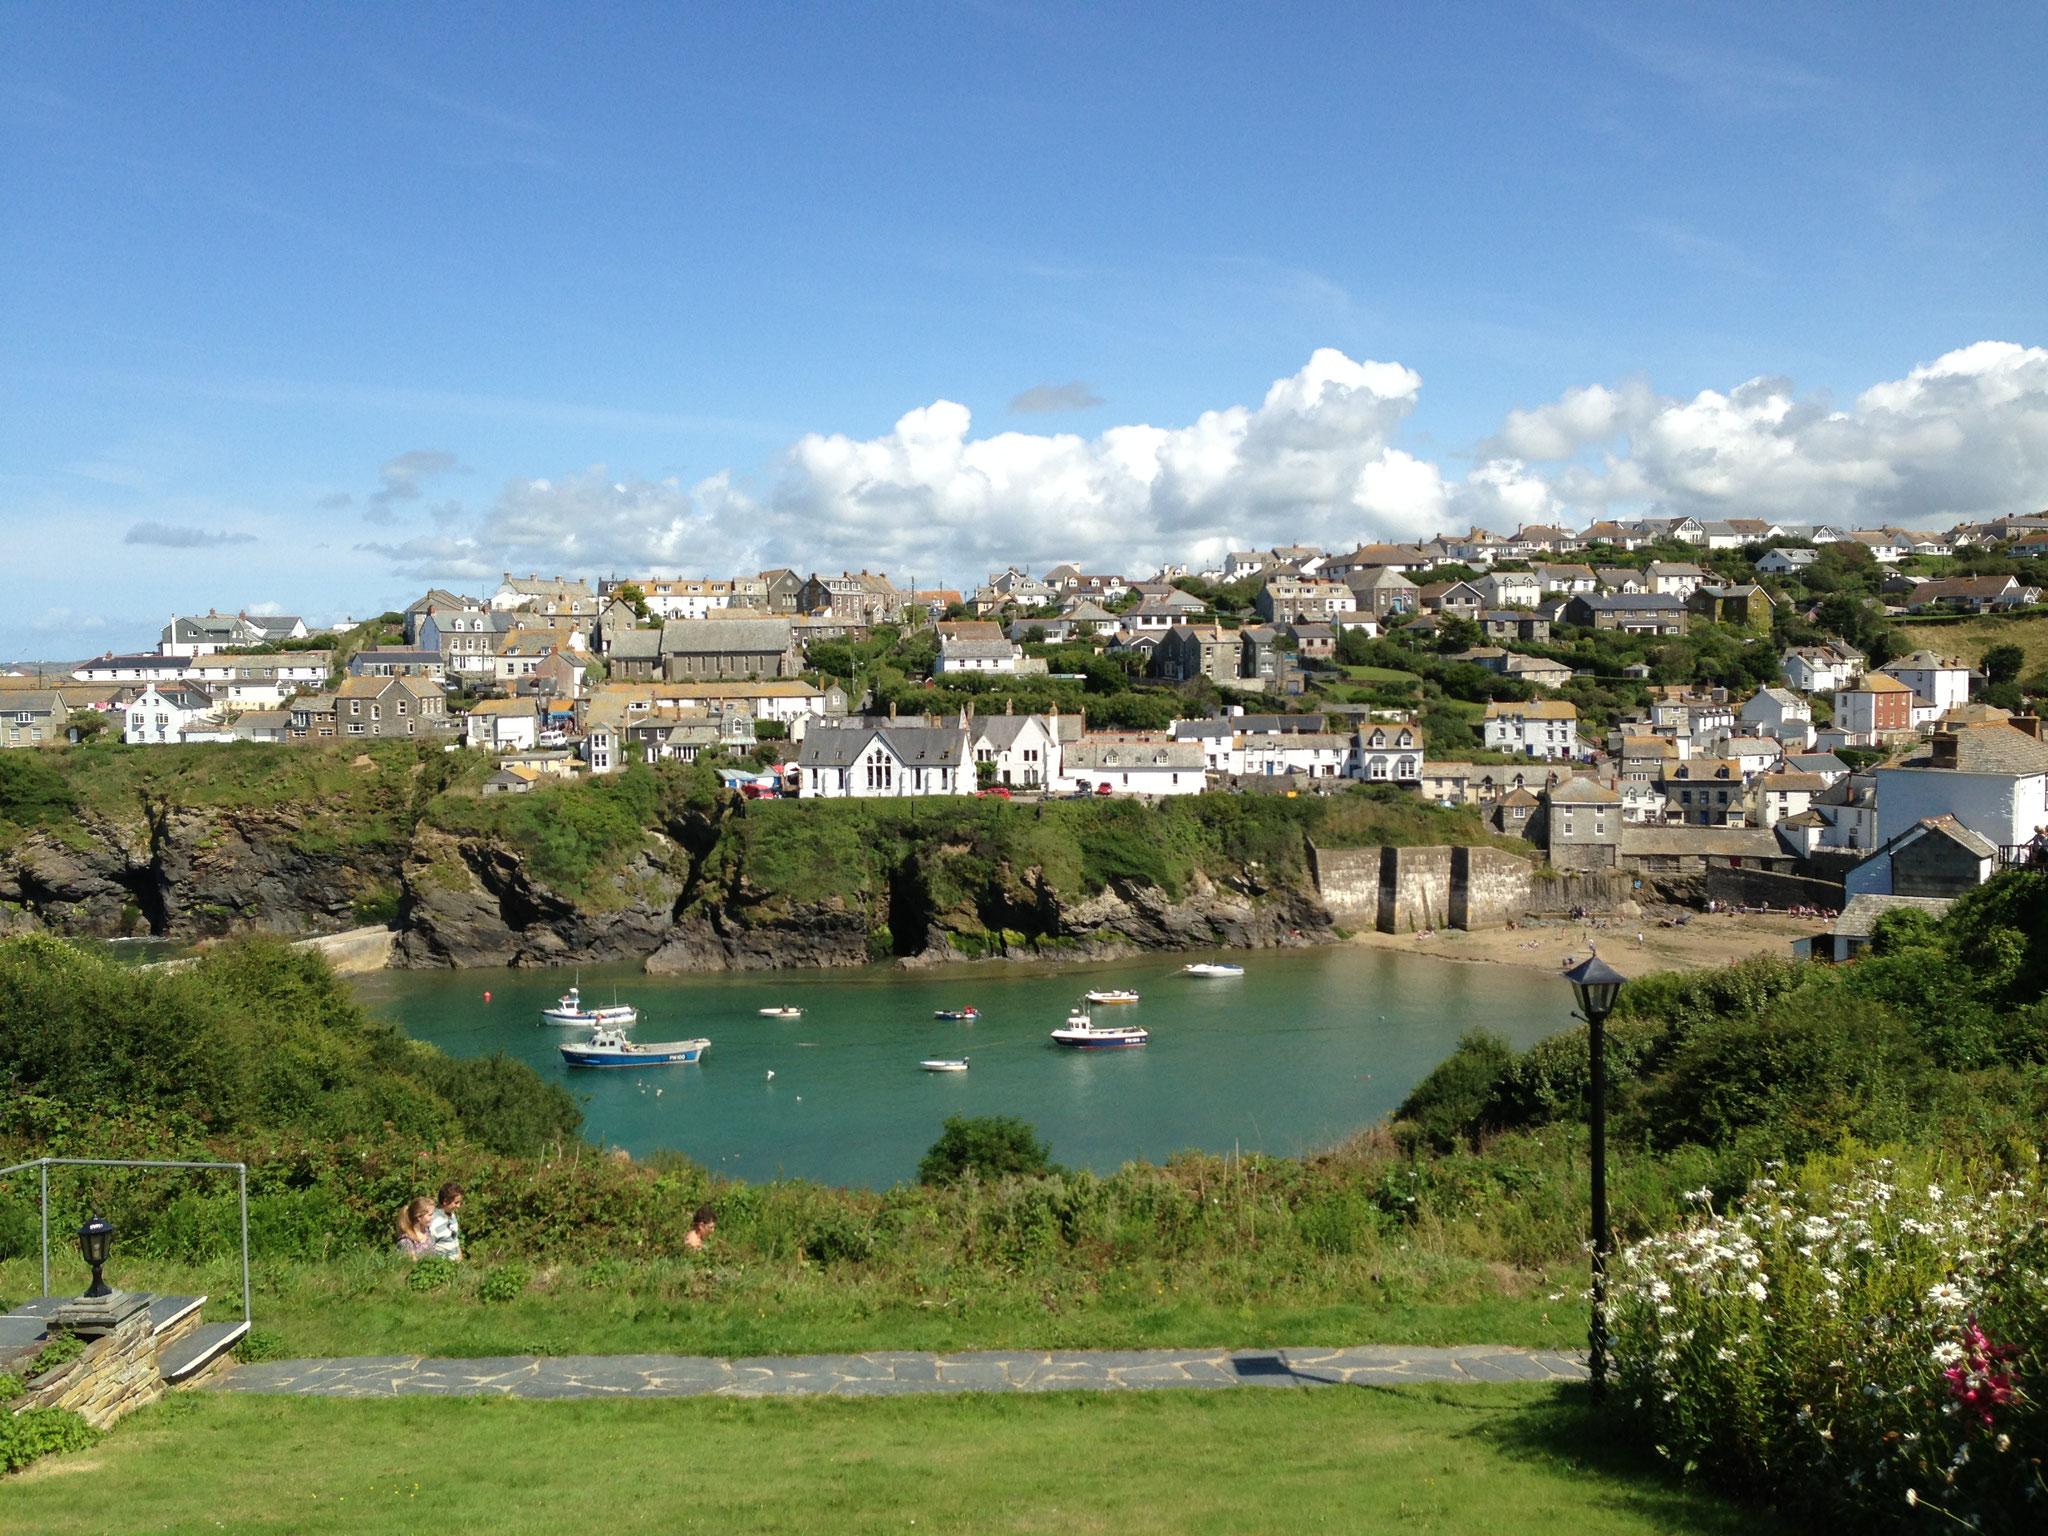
x: 415, y: 1241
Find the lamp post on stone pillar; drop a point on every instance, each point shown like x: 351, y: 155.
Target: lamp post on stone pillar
x: 1597, y: 985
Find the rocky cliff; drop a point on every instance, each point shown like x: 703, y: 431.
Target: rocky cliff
x: 685, y: 899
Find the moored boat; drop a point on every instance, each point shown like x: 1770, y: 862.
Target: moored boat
x: 957, y: 1013
x: 782, y: 1013
x: 1208, y: 968
x: 1113, y: 995
x: 571, y: 1013
x: 611, y: 1048
x: 1082, y: 1033
x: 944, y: 1064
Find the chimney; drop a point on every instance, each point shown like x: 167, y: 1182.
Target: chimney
x: 892, y: 709
x: 2031, y: 724
x: 1944, y: 745
x: 1010, y: 706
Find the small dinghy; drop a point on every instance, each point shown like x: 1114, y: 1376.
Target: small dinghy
x: 611, y: 1048
x: 944, y: 1064
x: 571, y: 1013
x: 782, y: 1013
x: 957, y: 1013
x: 1115, y: 995
x: 1082, y: 1033
x: 1204, y: 968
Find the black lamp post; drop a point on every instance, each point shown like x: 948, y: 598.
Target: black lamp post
x: 1597, y: 984
x: 95, y: 1243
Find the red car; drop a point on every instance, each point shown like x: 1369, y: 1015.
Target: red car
x: 994, y: 789
x: 1104, y: 789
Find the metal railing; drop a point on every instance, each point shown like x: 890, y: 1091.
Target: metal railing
x: 45, y: 1164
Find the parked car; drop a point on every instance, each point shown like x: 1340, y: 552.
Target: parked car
x: 1104, y: 789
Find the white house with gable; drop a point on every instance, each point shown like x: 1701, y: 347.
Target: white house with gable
x: 159, y: 715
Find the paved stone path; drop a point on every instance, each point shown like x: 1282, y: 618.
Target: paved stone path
x: 895, y: 1373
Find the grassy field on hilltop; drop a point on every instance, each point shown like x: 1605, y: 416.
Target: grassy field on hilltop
x: 1971, y: 639
x: 1506, y: 1461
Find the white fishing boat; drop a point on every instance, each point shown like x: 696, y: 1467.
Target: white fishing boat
x: 611, y: 1048
x: 1113, y: 995
x: 1082, y: 1033
x: 1207, y: 968
x: 944, y: 1064
x: 782, y: 1013
x: 571, y: 1013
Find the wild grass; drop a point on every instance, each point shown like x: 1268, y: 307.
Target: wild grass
x: 1506, y: 1460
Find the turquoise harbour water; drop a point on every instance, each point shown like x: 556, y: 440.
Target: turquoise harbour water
x: 1305, y: 1048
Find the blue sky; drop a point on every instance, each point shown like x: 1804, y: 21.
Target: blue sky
x: 306, y: 307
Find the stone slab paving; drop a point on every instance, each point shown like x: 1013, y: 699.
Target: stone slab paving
x: 895, y: 1373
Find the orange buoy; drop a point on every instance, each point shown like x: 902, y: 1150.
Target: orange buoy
x: 487, y: 997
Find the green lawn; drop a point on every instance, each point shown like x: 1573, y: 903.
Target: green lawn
x: 362, y: 1306
x: 1379, y: 675
x: 1505, y: 1461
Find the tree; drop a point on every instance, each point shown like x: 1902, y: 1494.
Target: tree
x: 630, y: 594
x: 988, y: 1146
x: 89, y: 723
x: 2002, y: 663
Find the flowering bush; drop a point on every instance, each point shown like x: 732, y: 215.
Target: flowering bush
x: 1870, y: 1348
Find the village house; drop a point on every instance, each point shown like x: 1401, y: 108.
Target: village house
x: 1646, y: 613
x: 390, y: 706
x: 1289, y: 600
x: 1674, y: 578
x: 1874, y: 710
x: 36, y: 717
x: 1747, y: 605
x: 1773, y: 797
x: 1937, y: 680
x: 1582, y: 822
x: 310, y: 717
x: 502, y: 725
x: 1509, y: 624
x: 1993, y: 778
x: 438, y: 599
x: 729, y: 648
x: 145, y: 668
x: 1936, y: 857
x: 1705, y: 792
x: 1388, y: 753
x: 1510, y: 589
x: 1544, y: 728
x: 397, y: 661
x: 1821, y: 668
x: 866, y: 761
x: 1016, y: 751
x: 1780, y: 713
x: 1625, y: 579
x: 1974, y: 594
x: 1157, y: 613
x: 1189, y: 651
x: 1131, y: 763
x: 1564, y: 580
x: 1785, y: 562
x: 1459, y: 599
x: 568, y: 599
x: 984, y: 656
x: 161, y: 713
x: 204, y: 636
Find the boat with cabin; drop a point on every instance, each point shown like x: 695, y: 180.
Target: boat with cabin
x: 969, y: 1014
x: 611, y: 1048
x: 1112, y: 995
x: 571, y: 1014
x: 944, y: 1064
x: 1209, y: 968
x: 1082, y: 1033
x: 782, y: 1013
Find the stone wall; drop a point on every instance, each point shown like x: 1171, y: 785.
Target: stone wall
x: 1563, y: 892
x: 1415, y: 889
x: 116, y: 1375
x: 1348, y: 879
x: 1489, y: 887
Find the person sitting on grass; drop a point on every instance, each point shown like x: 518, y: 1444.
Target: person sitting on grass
x: 445, y: 1230
x: 702, y: 1225
x: 414, y: 1218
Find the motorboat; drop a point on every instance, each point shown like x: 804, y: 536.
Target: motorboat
x: 1081, y: 1032
x: 1113, y: 995
x: 782, y: 1013
x: 1206, y: 968
x: 571, y: 1013
x: 944, y: 1064
x: 958, y: 1013
x: 611, y: 1048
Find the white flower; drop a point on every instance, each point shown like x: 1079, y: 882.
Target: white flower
x: 1755, y: 1290
x: 1948, y: 1297
x: 1946, y: 1354
x: 1912, y: 1497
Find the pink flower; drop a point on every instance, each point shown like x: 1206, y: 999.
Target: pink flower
x: 1980, y: 1383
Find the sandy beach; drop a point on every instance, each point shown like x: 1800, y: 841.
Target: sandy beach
x: 1708, y: 940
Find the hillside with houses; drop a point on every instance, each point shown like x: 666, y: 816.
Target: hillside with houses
x: 1762, y: 709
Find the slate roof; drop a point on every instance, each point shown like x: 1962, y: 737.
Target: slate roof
x: 726, y: 636
x: 914, y: 746
x: 1996, y: 748
x: 1861, y: 915
x: 1584, y: 792
x: 1713, y: 842
x: 1099, y: 753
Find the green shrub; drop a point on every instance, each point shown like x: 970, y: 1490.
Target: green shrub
x: 32, y: 793
x: 261, y: 1344
x: 505, y: 1283
x: 39, y: 1432
x: 1452, y: 1102
x: 990, y: 1147
x: 431, y: 1273
x: 837, y: 1238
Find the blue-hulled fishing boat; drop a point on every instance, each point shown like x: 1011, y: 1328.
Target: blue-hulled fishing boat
x: 611, y: 1048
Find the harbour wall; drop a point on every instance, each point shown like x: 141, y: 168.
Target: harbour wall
x: 1401, y: 890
